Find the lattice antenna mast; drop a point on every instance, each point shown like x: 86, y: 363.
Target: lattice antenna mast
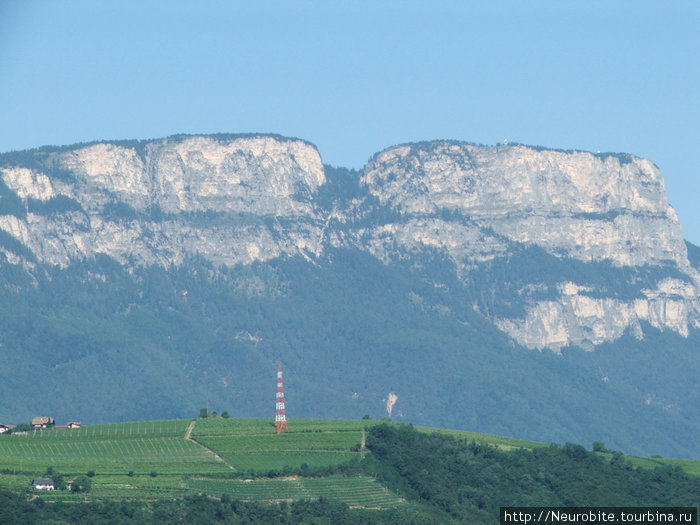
x: 280, y: 415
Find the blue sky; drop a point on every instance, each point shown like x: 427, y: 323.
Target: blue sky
x: 356, y: 77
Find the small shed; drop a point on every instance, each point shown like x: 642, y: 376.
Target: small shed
x: 44, y: 484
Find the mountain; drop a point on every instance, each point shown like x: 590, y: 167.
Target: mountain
x: 509, y: 289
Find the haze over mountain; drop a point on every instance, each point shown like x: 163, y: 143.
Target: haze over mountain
x: 511, y: 289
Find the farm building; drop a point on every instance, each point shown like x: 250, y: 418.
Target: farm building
x: 44, y: 484
x: 70, y: 424
x: 42, y: 422
x: 5, y: 428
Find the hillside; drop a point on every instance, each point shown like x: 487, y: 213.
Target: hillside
x: 509, y: 289
x: 399, y: 472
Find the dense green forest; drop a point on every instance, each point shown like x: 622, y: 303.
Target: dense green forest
x: 471, y: 481
x: 444, y: 480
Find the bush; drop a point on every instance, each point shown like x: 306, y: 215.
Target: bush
x: 81, y: 484
x: 599, y: 446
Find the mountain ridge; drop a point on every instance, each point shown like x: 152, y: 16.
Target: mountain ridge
x: 472, y: 202
x: 459, y: 245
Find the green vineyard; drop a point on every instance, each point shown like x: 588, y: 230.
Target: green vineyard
x: 357, y: 491
x: 242, y: 458
x: 249, y: 446
x: 109, y: 449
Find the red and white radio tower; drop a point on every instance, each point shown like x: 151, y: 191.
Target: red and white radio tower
x: 280, y: 415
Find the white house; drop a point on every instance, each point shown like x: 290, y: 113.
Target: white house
x: 44, y: 484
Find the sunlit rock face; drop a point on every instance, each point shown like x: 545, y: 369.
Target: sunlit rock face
x: 174, y: 198
x: 474, y: 201
x: 585, y: 206
x: 238, y: 200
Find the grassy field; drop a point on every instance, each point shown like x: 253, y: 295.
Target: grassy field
x: 243, y: 458
x: 504, y: 443
x: 691, y: 466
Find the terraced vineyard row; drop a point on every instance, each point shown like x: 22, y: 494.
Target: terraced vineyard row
x: 356, y: 491
x: 112, y: 431
x: 263, y: 462
x: 247, y: 444
x: 230, y: 427
x: 141, y: 455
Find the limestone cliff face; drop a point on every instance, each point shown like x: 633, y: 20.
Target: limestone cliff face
x: 586, y: 206
x: 261, y: 175
x: 148, y: 208
x: 472, y: 201
x: 244, y: 199
x: 576, y: 318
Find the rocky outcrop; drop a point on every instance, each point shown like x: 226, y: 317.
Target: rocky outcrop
x: 473, y: 201
x: 579, y: 319
x: 238, y: 200
x: 259, y: 175
x: 222, y: 199
x: 586, y: 206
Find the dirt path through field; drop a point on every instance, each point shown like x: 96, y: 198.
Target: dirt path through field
x: 188, y: 432
x: 188, y: 435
